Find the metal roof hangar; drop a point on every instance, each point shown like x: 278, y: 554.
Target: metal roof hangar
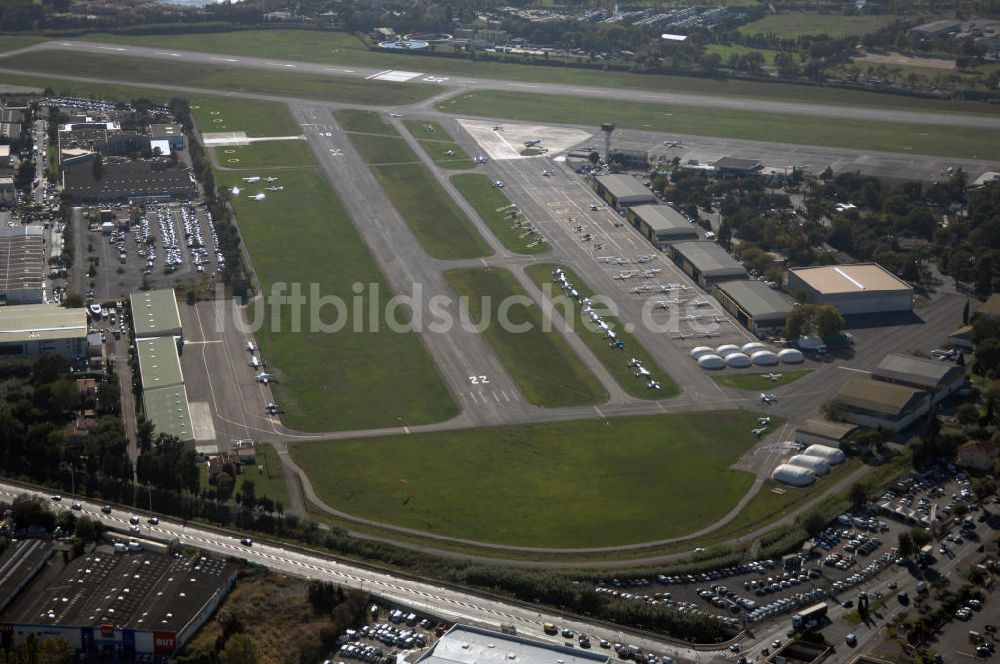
x: 463, y: 644
x: 661, y: 224
x: 874, y: 403
x: 862, y: 288
x: 706, y: 262
x: 33, y: 329
x: 755, y: 305
x: 155, y: 314
x: 22, y: 264
x: 938, y: 378
x: 622, y: 191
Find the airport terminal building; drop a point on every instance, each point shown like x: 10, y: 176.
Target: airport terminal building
x: 757, y: 307
x: 661, y: 224
x: 861, y: 288
x: 707, y: 263
x: 622, y: 191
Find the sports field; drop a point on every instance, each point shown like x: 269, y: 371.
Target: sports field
x: 757, y: 382
x: 494, y: 208
x: 343, y: 49
x: 794, y: 25
x: 615, y: 360
x: 541, y: 362
x: 567, y: 484
x: 769, y: 127
x: 214, y: 77
x: 437, y: 222
x: 439, y: 145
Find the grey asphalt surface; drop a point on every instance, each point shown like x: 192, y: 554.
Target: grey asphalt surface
x: 482, y: 83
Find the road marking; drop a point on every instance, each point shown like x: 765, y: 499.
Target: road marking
x: 110, y: 48
x: 205, y: 341
x: 225, y: 59
x: 176, y: 55
x: 853, y: 369
x: 343, y: 71
x: 278, y: 64
x: 496, y: 396
x: 523, y: 85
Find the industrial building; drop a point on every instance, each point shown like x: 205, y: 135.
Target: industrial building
x: 940, y: 379
x: 817, y: 431
x: 463, y: 644
x: 125, y: 180
x: 167, y: 408
x: 622, y: 191
x: 757, y: 307
x: 22, y: 264
x: 736, y: 167
x: 172, y: 133
x: 109, y: 605
x: 159, y: 363
x: 155, y: 314
x: 861, y: 288
x: 706, y: 262
x: 873, y: 403
x: 661, y: 224
x: 33, y: 329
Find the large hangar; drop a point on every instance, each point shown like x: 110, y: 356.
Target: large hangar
x: 755, y: 305
x: 622, y: 191
x: 661, y: 224
x: 862, y: 288
x: 155, y: 314
x: 706, y: 262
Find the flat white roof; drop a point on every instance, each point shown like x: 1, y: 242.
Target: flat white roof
x: 470, y: 645
x: 40, y: 322
x: 857, y: 278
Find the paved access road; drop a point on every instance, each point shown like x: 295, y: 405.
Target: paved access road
x: 427, y: 596
x: 475, y: 82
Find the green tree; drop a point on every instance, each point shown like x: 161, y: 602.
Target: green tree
x: 988, y: 356
x: 858, y: 494
x: 55, y: 651
x: 827, y: 321
x: 239, y: 649
x: 906, y: 548
x: 967, y: 414
x: 920, y: 537
x: 87, y: 529
x: 28, y: 510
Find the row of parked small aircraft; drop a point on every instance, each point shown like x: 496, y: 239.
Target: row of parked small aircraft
x: 559, y: 278
x: 643, y: 372
x: 262, y: 376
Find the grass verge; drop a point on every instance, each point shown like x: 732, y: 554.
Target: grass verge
x: 560, y: 484
x: 256, y: 120
x: 795, y: 25
x: 493, y: 207
x: 439, y: 145
x: 541, y: 362
x: 616, y: 361
x: 435, y: 219
x: 939, y: 140
x: 755, y: 382
x: 13, y: 42
x: 212, y: 77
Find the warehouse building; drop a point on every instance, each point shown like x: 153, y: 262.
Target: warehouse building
x: 861, y: 288
x: 735, y: 167
x: 622, y: 191
x: 33, y: 329
x: 108, y: 605
x: 155, y: 314
x: 22, y: 264
x: 159, y: 363
x: 463, y: 644
x: 172, y: 133
x: 874, y: 403
x: 168, y: 410
x: 817, y: 431
x: 706, y: 262
x: 757, y: 307
x: 124, y: 180
x: 661, y: 224
x: 940, y: 379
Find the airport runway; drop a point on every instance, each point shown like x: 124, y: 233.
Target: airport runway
x: 482, y: 83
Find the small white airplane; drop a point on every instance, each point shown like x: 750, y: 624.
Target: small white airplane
x: 272, y: 408
x: 250, y: 347
x: 653, y: 385
x: 498, y: 184
x: 546, y: 172
x: 280, y: 187
x: 395, y: 115
x: 532, y: 142
x: 236, y: 191
x: 594, y: 207
x: 672, y: 144
x: 252, y: 178
x: 644, y: 259
x: 622, y: 276
x: 254, y: 362
x: 669, y: 288
x: 944, y: 353
x: 265, y: 378
x: 258, y: 197
x: 642, y: 372
x: 449, y: 153
x: 700, y: 303
x: 270, y: 179
x: 641, y: 290
x: 764, y: 420
x: 635, y: 362
x: 759, y: 431
x: 480, y: 159
x: 610, y: 334
x: 429, y: 128
x: 663, y: 304
x: 773, y: 376
x: 768, y: 397
x: 649, y: 274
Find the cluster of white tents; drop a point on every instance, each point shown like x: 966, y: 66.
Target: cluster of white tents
x: 753, y: 353
x: 803, y: 469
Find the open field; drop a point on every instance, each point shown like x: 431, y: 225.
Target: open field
x: 616, y: 361
x: 76, y: 88
x: 437, y: 142
x: 258, y: 119
x: 269, y: 482
x: 13, y: 42
x: 331, y: 380
x: 161, y: 72
x: 794, y: 25
x: 569, y: 484
x: 773, y: 127
x: 479, y: 191
x: 436, y: 220
x: 342, y: 49
x: 264, y: 154
x: 726, y: 50
x: 755, y: 381
x: 543, y: 365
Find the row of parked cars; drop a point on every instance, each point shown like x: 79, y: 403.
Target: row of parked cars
x: 870, y: 570
x: 220, y: 261
x: 785, y: 604
x: 193, y: 238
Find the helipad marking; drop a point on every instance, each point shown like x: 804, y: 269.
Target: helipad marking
x: 394, y: 75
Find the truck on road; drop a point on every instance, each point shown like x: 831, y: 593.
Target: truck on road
x: 810, y: 618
